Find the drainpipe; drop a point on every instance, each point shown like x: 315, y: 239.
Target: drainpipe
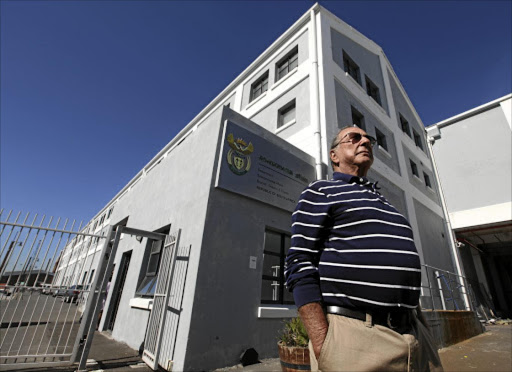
x: 453, y: 245
x: 315, y: 95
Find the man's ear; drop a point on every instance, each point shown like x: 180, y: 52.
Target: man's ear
x: 334, y: 157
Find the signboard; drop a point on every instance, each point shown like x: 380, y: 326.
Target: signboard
x: 254, y: 167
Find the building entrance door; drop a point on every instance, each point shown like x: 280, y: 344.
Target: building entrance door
x: 118, y: 290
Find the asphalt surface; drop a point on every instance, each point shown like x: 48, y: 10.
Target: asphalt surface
x: 490, y: 351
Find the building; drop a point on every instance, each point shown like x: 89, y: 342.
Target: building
x: 476, y: 179
x: 234, y: 208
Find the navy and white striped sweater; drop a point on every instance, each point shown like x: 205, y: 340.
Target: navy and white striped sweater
x: 351, y: 248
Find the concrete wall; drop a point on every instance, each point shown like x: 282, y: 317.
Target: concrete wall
x: 475, y: 169
x: 419, y: 182
x: 344, y: 101
x: 367, y: 61
x: 270, y: 67
x: 267, y: 117
x: 403, y: 107
x: 451, y: 327
x: 434, y: 238
x: 174, y: 192
x: 228, y: 293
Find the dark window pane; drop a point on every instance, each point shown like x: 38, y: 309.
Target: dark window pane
x: 271, y: 265
x: 273, y: 242
x: 269, y: 291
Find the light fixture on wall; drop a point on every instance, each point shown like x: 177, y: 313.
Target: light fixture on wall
x: 139, y: 238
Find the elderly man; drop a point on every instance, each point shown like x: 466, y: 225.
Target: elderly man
x: 354, y: 270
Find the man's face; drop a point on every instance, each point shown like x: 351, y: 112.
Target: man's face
x: 352, y: 154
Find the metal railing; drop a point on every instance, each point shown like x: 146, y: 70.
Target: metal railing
x: 42, y: 266
x: 445, y: 290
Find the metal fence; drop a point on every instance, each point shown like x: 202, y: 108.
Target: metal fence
x: 445, y: 290
x: 46, y: 266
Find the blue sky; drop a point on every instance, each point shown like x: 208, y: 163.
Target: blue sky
x: 92, y: 90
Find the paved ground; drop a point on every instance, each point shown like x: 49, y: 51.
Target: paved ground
x: 490, y: 351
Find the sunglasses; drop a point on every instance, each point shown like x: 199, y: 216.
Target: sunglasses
x: 355, y: 137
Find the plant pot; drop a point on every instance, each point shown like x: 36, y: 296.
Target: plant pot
x: 293, y: 358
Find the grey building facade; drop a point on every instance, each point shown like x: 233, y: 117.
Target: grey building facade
x: 319, y: 76
x: 476, y: 179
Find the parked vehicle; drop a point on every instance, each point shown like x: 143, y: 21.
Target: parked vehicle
x: 59, y: 291
x: 72, y: 293
x: 46, y: 289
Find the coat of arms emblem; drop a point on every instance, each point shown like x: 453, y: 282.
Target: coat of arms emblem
x: 239, y: 159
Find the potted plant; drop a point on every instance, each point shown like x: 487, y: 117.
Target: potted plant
x: 293, y: 347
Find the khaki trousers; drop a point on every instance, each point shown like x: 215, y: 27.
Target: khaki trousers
x: 355, y: 345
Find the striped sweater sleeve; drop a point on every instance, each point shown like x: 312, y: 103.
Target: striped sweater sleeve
x: 309, y: 222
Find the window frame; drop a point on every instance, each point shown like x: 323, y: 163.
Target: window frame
x: 414, y: 168
x: 146, y: 284
x: 355, y: 112
x: 284, y: 110
x: 289, y: 62
x: 404, y: 125
x: 380, y: 135
x: 280, y: 278
x: 426, y: 177
x: 417, y: 139
x: 373, y: 90
x: 351, y: 68
x: 259, y: 82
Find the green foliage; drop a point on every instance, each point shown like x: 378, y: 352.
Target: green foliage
x: 294, y: 333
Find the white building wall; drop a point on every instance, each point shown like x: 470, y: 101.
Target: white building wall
x: 475, y: 169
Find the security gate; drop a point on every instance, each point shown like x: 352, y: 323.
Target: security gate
x: 46, y: 271
x: 155, y: 329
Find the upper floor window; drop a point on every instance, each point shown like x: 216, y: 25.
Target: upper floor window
x: 357, y: 118
x: 381, y: 139
x: 427, y: 180
x: 414, y: 168
x: 405, y: 125
x: 286, y: 114
x: 372, y: 90
x: 259, y: 87
x: 417, y: 139
x: 273, y: 290
x: 287, y: 64
x: 351, y: 68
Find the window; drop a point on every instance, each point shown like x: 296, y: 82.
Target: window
x: 357, y: 118
x: 102, y: 219
x: 381, y: 139
x: 91, y: 277
x: 110, y: 212
x: 405, y: 125
x: 417, y: 139
x: 287, y: 64
x: 414, y: 168
x: 273, y: 290
x: 95, y: 224
x: 83, y: 278
x: 259, y: 87
x: 286, y: 114
x: 427, y: 180
x: 151, y: 265
x: 351, y: 68
x: 372, y: 90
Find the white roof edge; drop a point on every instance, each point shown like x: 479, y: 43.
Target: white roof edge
x: 221, y: 96
x: 474, y: 111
